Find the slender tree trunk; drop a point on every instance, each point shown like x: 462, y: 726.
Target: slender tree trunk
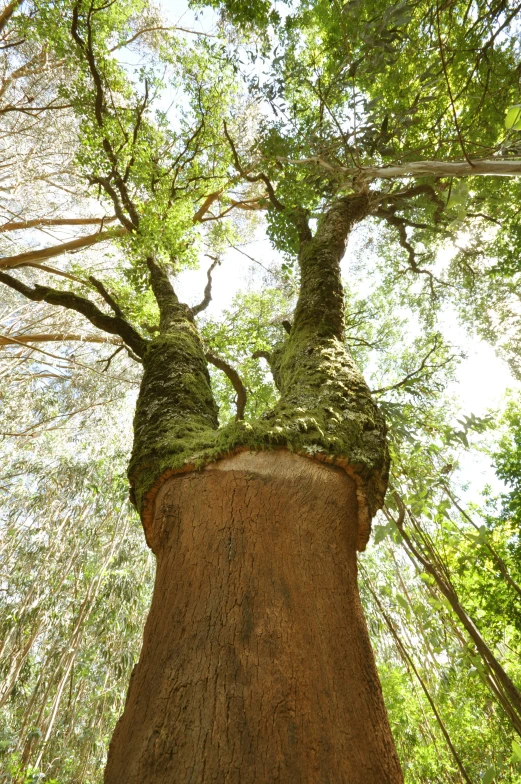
x: 256, y: 664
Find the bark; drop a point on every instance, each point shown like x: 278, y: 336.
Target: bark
x: 256, y: 664
x: 473, y: 168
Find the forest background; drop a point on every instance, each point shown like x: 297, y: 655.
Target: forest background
x: 75, y: 574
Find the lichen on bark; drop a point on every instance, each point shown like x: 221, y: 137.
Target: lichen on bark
x: 325, y: 410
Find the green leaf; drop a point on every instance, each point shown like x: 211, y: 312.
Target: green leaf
x: 513, y: 118
x: 380, y: 532
x: 516, y: 748
x: 489, y: 776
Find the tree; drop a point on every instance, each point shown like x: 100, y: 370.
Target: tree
x: 256, y: 637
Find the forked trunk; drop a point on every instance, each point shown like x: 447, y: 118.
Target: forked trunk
x: 256, y: 664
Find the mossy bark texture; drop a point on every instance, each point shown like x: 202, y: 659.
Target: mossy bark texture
x: 325, y: 409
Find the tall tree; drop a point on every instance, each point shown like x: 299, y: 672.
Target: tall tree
x: 256, y: 664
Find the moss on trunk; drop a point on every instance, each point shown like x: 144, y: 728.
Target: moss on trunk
x: 325, y: 409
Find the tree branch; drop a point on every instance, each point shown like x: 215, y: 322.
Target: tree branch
x: 413, y: 373
x: 37, y: 222
x: 253, y: 178
x: 449, y: 90
x: 59, y: 337
x: 497, y: 168
x: 235, y: 380
x: 114, y: 325
x: 22, y: 259
x: 205, y: 206
x: 262, y: 355
x: 408, y: 660
x: 99, y: 111
x: 7, y: 13
x: 59, y: 272
x: 400, y: 224
x: 158, y: 28
x: 106, y: 296
x: 207, y: 290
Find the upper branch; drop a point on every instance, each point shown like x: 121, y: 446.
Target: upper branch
x: 418, y: 371
x: 114, y: 325
x: 7, y: 12
x: 36, y: 223
x: 22, y: 259
x: 253, y: 177
x: 207, y: 290
x: 498, y: 168
x: 99, y: 111
x: 235, y: 380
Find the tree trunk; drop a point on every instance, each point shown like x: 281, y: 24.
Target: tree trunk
x: 256, y: 664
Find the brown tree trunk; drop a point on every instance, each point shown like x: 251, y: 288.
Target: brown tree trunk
x: 256, y: 665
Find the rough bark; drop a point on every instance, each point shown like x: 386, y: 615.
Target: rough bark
x: 256, y: 665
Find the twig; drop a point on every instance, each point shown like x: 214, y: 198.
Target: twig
x: 451, y: 98
x: 154, y: 29
x: 109, y: 360
x: 409, y: 661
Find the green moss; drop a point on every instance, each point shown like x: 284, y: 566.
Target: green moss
x: 325, y: 408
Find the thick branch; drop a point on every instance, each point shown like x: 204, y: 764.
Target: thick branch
x: 37, y: 222
x: 21, y: 259
x: 170, y: 309
x: 205, y: 206
x: 7, y: 13
x: 497, y: 168
x: 235, y: 380
x: 114, y: 325
x: 59, y: 337
x: 320, y: 305
x: 262, y: 355
x: 207, y: 290
x: 109, y: 299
